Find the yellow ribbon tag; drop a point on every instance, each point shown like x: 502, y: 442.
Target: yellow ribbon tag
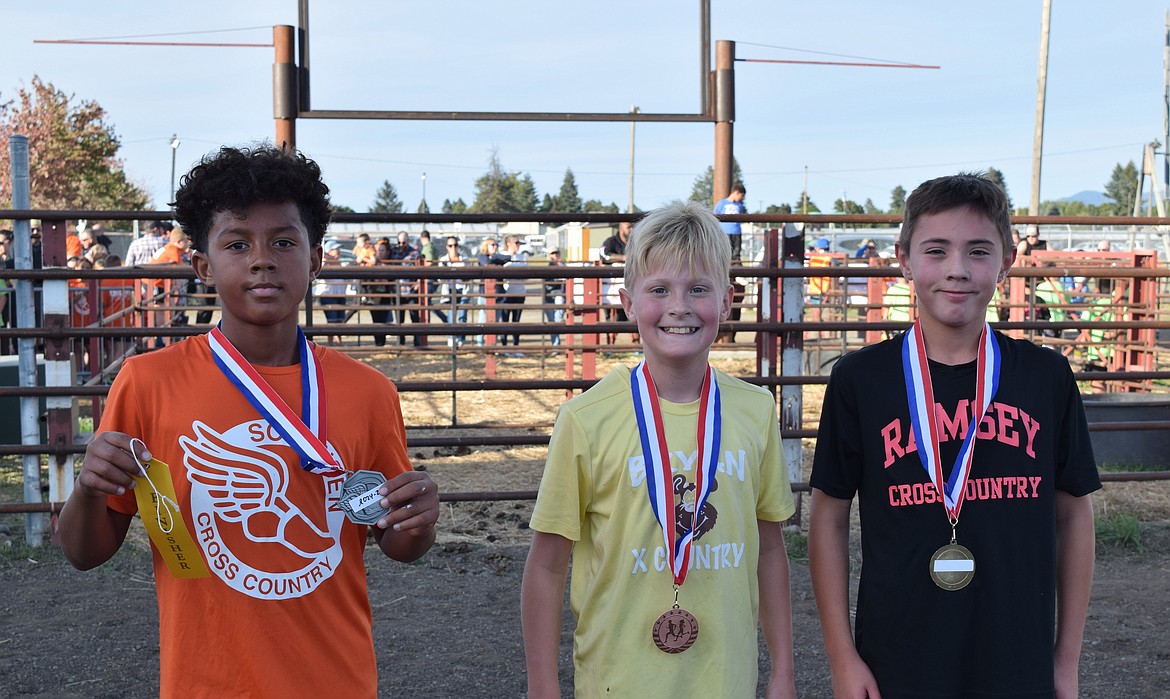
x: 164, y: 523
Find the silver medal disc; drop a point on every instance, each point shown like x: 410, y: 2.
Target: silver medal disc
x: 360, y: 500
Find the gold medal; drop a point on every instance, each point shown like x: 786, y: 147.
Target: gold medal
x: 952, y: 567
x: 675, y: 630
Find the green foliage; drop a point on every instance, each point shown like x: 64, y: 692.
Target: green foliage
x: 454, y: 207
x: 871, y: 208
x: 386, y: 201
x: 343, y: 209
x: 997, y: 177
x: 703, y: 190
x: 72, y: 152
x: 778, y: 209
x: 497, y: 191
x: 567, y: 200
x: 1122, y: 188
x: 796, y: 545
x: 595, y: 206
x: 1120, y: 530
x: 423, y: 208
x: 847, y: 206
x: 897, y: 200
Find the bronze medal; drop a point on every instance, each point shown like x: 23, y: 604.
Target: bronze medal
x: 359, y: 498
x: 952, y: 567
x: 675, y: 631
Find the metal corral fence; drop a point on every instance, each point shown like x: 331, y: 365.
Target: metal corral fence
x: 796, y: 311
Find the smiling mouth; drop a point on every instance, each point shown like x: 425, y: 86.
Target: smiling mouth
x: 680, y: 331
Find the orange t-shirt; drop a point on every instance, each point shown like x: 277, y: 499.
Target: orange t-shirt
x: 284, y: 611
x: 365, y: 255
x: 73, y: 246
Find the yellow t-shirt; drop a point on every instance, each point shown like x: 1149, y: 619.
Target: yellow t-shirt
x: 594, y: 493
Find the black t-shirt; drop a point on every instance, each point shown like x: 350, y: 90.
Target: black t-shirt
x: 995, y: 637
x: 613, y: 245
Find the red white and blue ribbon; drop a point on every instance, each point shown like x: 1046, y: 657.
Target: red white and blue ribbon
x: 924, y: 418
x: 656, y: 457
x: 305, y: 433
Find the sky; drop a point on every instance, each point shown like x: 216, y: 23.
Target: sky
x: 858, y: 131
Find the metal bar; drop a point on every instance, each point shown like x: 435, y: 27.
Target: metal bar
x: 502, y: 116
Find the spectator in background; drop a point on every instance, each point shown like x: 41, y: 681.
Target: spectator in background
x: 613, y: 253
x: 364, y: 253
x: 100, y: 237
x: 511, y: 303
x: 407, y: 298
x: 331, y: 292
x: 554, y: 296
x: 454, y: 291
x: 867, y: 249
x: 377, y: 294
x: 1104, y: 246
x: 1030, y: 242
x: 175, y: 252
x: 430, y: 254
x: 142, y: 250
x: 733, y: 204
x: 489, y: 255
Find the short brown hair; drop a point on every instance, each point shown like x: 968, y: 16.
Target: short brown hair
x: 972, y: 190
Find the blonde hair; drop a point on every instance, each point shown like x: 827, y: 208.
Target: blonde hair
x: 679, y: 235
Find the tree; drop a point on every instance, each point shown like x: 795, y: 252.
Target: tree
x: 871, y: 208
x: 497, y: 191
x: 342, y: 209
x: 897, y: 200
x: 547, y: 204
x: 567, y: 200
x: 778, y: 209
x: 73, y: 161
x: 595, y: 206
x: 1122, y: 188
x: 386, y: 201
x: 423, y: 208
x: 454, y: 207
x: 703, y: 190
x: 997, y: 177
x: 847, y: 206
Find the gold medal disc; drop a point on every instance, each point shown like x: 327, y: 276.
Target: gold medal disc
x: 952, y: 567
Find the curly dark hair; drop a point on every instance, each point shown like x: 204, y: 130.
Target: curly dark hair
x: 235, y: 178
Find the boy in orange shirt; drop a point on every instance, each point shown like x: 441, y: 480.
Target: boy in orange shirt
x: 258, y: 432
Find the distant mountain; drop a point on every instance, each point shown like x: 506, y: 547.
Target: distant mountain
x: 1090, y: 197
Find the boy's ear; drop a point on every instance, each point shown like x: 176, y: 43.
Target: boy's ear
x: 202, y: 267
x: 316, y: 260
x: 627, y: 304
x: 728, y: 300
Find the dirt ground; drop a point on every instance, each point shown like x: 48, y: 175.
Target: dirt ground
x: 448, y: 625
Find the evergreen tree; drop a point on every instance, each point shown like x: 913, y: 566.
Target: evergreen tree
x: 567, y: 200
x: 897, y: 200
x: 497, y: 191
x: 1122, y: 188
x: 386, y: 201
x: 423, y: 208
x: 778, y: 209
x: 871, y: 208
x: 997, y: 177
x: 703, y: 190
x: 342, y: 209
x: 547, y: 205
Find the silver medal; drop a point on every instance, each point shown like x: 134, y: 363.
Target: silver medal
x: 360, y: 499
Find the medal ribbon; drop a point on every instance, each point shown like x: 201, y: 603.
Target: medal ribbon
x: 924, y: 420
x: 305, y: 433
x: 656, y: 457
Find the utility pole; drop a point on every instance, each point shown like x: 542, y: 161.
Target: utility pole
x: 630, y: 209
x: 1041, y: 89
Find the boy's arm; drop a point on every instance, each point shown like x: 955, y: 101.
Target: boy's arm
x: 90, y: 532
x: 542, y: 595
x: 828, y: 554
x: 1075, y: 550
x: 408, y: 531
x: 776, y: 609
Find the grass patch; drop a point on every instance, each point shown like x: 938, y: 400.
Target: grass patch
x: 1121, y: 530
x: 797, y: 546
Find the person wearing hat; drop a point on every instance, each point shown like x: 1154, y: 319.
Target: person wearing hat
x: 1030, y: 242
x: 332, y: 292
x: 554, y: 296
